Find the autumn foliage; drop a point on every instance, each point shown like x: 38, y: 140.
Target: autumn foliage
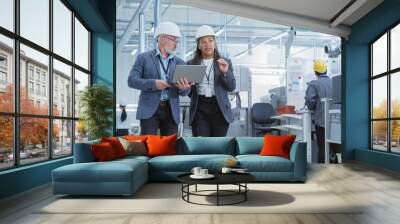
x: 380, y: 128
x: 33, y: 131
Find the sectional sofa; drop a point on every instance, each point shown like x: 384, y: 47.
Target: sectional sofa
x: 125, y: 176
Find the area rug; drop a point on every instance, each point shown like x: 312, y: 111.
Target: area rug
x: 167, y: 198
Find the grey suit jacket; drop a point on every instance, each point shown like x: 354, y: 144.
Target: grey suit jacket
x: 143, y: 75
x: 222, y: 85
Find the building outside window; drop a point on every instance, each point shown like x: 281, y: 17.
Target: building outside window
x: 37, y: 75
x: 30, y: 87
x: 30, y: 72
x: 3, y: 61
x: 3, y: 71
x: 43, y: 77
x: 3, y: 78
x: 38, y: 89
x: 43, y: 90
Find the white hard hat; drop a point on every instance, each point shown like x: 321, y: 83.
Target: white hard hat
x: 204, y: 31
x: 167, y: 28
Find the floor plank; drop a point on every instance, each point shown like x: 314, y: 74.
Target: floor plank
x: 376, y: 188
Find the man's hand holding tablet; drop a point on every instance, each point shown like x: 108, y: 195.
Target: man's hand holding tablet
x: 183, y: 84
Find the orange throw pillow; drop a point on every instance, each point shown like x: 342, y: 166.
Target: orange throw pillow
x: 103, y: 152
x: 161, y: 145
x: 116, y: 145
x: 277, y: 145
x: 136, y: 137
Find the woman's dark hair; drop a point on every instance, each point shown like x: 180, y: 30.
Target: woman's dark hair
x: 197, y: 54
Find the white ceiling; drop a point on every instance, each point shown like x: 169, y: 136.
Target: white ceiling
x: 324, y: 9
x: 316, y: 15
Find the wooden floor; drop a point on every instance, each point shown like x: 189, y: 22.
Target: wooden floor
x: 378, y: 188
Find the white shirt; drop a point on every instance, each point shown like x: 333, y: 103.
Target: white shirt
x: 208, y: 80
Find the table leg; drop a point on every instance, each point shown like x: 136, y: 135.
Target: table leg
x: 188, y: 190
x: 182, y: 188
x: 217, y: 194
x: 245, y: 192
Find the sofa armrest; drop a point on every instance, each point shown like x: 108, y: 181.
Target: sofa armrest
x: 83, y: 152
x: 298, y: 155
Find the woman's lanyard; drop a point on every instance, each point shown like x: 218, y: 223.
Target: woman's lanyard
x: 209, y: 71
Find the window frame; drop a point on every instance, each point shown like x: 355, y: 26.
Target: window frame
x: 16, y: 114
x: 388, y: 74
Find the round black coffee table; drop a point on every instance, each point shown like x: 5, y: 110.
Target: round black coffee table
x: 238, y: 179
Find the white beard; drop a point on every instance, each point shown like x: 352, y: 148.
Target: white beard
x: 170, y: 51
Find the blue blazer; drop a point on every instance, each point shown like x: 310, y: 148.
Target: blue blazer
x: 222, y: 85
x: 142, y: 77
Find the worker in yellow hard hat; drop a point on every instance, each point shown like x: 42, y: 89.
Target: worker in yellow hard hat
x: 320, y: 66
x: 316, y: 90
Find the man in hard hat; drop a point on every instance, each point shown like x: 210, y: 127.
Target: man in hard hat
x: 316, y: 90
x: 158, y: 107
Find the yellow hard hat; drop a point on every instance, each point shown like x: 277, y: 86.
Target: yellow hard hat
x: 320, y: 66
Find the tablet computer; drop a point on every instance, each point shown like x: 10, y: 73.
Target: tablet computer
x: 193, y: 73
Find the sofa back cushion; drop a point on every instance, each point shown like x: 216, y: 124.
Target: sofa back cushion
x: 116, y: 145
x: 277, y: 145
x: 161, y: 145
x: 249, y: 145
x: 134, y: 147
x: 206, y: 145
x: 136, y: 137
x: 83, y: 152
x: 104, y: 152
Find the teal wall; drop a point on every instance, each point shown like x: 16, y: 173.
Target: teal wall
x: 102, y: 63
x: 24, y: 178
x: 99, y: 16
x: 102, y: 59
x: 356, y: 85
x: 103, y: 51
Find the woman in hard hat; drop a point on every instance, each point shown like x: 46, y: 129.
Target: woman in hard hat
x: 316, y: 90
x: 210, y: 109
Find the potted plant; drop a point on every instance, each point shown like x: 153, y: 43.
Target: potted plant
x: 96, y: 102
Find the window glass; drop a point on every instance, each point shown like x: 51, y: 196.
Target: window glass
x: 379, y: 98
x: 395, y: 95
x: 6, y: 142
x: 81, y: 45
x: 35, y: 21
x: 6, y: 74
x: 62, y: 141
x: 395, y: 47
x: 379, y: 135
x: 62, y: 29
x: 395, y: 136
x: 31, y: 58
x: 34, y: 144
x: 62, y: 90
x: 81, y: 81
x: 379, y: 56
x: 7, y: 14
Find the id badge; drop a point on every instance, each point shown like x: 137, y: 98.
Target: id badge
x: 208, y: 91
